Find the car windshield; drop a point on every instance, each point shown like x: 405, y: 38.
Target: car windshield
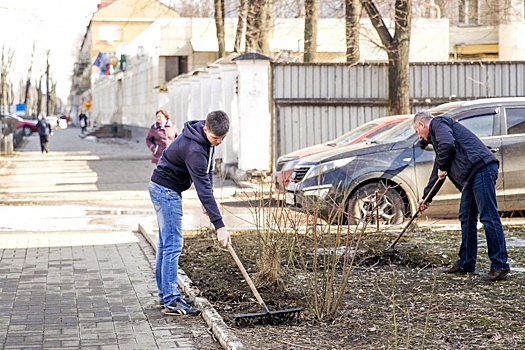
x: 352, y: 135
x: 400, y: 132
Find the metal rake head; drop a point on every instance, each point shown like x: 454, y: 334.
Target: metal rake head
x: 267, y: 317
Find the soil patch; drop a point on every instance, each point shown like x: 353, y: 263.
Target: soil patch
x: 394, y: 300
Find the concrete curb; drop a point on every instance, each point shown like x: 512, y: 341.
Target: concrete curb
x: 226, y: 338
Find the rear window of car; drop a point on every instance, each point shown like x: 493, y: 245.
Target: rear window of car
x: 515, y: 121
x: 481, y: 125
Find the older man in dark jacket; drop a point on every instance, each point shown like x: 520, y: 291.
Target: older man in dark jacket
x: 473, y: 169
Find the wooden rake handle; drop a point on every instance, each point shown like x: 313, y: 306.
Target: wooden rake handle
x: 246, y: 276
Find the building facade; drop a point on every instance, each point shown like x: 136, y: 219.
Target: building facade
x: 115, y: 23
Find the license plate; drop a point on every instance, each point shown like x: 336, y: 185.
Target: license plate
x: 289, y: 198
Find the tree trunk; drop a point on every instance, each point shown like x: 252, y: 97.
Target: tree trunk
x: 251, y: 26
x: 352, y: 17
x: 2, y: 83
x: 399, y: 91
x: 39, y: 97
x: 11, y: 97
x: 7, y: 60
x: 53, y: 99
x: 47, y: 85
x: 240, y: 25
x: 397, y: 48
x: 219, y: 24
x: 310, y: 30
x: 266, y: 15
x: 28, y: 81
x: 257, y: 26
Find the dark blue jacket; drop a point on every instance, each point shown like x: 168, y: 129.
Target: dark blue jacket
x: 189, y: 159
x: 459, y: 152
x: 43, y: 127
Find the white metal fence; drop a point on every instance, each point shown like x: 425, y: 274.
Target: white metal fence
x: 309, y: 103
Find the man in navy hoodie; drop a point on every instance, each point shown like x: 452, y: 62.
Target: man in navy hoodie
x: 473, y: 169
x: 188, y: 159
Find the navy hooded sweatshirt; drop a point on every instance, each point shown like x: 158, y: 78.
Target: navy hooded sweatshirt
x: 189, y: 159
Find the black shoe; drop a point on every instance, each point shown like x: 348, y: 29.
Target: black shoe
x: 180, y: 308
x: 456, y: 269
x: 495, y: 275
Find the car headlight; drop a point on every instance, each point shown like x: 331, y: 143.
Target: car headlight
x: 319, y: 169
x: 317, y: 191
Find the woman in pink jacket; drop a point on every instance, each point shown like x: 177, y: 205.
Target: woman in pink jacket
x: 160, y: 135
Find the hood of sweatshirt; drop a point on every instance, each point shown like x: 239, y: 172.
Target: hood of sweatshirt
x: 194, y: 130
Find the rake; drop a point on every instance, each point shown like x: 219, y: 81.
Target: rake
x: 267, y: 316
x: 391, y: 248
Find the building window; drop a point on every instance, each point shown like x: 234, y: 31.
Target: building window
x: 469, y: 12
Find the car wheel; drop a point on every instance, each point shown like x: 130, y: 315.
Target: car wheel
x: 27, y: 131
x: 376, y: 202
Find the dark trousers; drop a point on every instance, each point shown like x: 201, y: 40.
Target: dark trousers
x: 478, y: 198
x: 44, y: 139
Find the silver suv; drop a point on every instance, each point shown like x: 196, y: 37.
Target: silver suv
x: 389, y: 175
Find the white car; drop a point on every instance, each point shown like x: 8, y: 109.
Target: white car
x: 53, y: 121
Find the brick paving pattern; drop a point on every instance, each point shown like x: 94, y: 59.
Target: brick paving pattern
x: 86, y: 290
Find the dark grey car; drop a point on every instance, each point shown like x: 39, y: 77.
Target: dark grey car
x: 383, y: 181
x: 8, y: 125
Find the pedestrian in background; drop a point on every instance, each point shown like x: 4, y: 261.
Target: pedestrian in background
x: 473, y: 169
x: 160, y: 135
x: 44, y: 130
x: 82, y: 119
x: 188, y: 159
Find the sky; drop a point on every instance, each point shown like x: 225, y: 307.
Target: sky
x: 57, y: 25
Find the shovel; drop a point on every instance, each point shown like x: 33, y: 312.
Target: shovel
x: 391, y: 248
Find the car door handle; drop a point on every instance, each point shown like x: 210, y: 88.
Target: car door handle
x: 493, y: 150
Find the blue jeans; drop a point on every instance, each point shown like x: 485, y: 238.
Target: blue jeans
x: 168, y: 206
x: 478, y: 197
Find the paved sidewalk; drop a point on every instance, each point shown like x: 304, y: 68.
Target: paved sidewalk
x: 75, y: 272
x: 111, y: 172
x: 89, y: 290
